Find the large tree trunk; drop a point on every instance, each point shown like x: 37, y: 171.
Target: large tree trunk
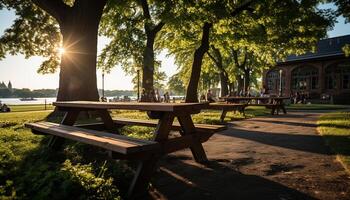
x: 217, y: 59
x: 224, y: 84
x: 191, y: 93
x: 148, y: 69
x: 239, y: 84
x: 79, y: 29
x: 151, y: 31
x: 247, y: 80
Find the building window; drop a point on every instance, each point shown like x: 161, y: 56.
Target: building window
x: 273, y: 81
x: 305, y: 78
x: 344, y: 69
x: 335, y: 72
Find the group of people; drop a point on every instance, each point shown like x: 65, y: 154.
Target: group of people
x: 156, y: 97
x: 210, y: 97
x: 298, y: 97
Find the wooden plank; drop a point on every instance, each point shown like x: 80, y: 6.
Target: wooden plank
x: 117, y: 143
x: 225, y: 105
x: 196, y: 147
x: 191, y: 108
x: 176, y: 126
x: 147, y: 167
x: 69, y: 119
x: 185, y: 141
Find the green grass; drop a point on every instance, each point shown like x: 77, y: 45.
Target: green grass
x: 335, y: 128
x: 31, y: 107
x: 316, y: 107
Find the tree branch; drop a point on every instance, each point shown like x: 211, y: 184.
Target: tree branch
x: 55, y: 8
x: 244, y: 6
x: 158, y: 27
x: 245, y: 57
x: 235, y: 57
x: 145, y: 9
x: 212, y: 58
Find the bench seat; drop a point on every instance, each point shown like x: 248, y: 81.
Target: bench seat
x: 176, y: 125
x: 261, y: 104
x: 225, y: 105
x: 116, y: 143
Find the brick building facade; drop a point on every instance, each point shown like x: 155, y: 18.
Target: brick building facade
x: 320, y: 75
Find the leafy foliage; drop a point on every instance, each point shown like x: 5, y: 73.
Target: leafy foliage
x: 18, y: 39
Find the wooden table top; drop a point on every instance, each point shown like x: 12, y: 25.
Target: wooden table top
x: 142, y: 106
x: 256, y: 98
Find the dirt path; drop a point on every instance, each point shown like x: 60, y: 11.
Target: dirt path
x: 279, y: 157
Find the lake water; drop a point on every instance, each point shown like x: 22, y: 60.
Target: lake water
x: 17, y: 101
x: 49, y: 100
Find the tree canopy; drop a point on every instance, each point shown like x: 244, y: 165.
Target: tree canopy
x: 196, y: 33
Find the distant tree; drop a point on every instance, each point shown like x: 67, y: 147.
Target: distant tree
x: 5, y: 93
x: 133, y: 27
x: 176, y: 85
x: 344, y: 9
x: 3, y: 85
x: 9, y: 86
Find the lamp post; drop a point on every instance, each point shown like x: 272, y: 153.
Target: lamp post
x: 280, y: 93
x: 103, y: 84
x: 242, y: 76
x: 138, y: 84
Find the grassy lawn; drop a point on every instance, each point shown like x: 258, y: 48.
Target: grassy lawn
x: 316, y: 107
x: 27, y: 165
x: 335, y: 128
x: 32, y: 107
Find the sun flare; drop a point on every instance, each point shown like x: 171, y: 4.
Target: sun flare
x: 61, y: 51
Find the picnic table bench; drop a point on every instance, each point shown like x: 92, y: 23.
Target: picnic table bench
x: 146, y: 152
x: 227, y: 104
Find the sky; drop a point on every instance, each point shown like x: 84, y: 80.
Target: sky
x: 23, y: 72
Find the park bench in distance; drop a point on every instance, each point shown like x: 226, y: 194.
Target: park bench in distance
x: 123, y: 147
x: 227, y: 104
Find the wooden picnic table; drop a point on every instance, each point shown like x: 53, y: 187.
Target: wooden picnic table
x: 191, y: 136
x: 275, y: 103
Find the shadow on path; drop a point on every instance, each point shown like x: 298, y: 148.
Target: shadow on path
x: 308, y: 143
x: 178, y: 179
x: 286, y: 123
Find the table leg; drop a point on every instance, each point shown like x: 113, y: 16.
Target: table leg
x: 146, y: 168
x: 69, y: 119
x: 143, y: 175
x: 223, y: 115
x: 196, y: 148
x: 108, y: 121
x: 283, y: 107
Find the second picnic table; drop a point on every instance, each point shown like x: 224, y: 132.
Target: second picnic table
x: 147, y: 152
x: 232, y: 103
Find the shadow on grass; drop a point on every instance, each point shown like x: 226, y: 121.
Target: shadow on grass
x: 178, y: 179
x: 333, y: 125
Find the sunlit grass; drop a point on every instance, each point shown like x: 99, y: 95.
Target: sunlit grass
x: 335, y: 128
x: 32, y: 107
x: 316, y: 107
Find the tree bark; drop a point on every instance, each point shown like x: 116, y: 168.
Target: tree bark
x: 148, y: 54
x: 79, y: 28
x: 191, y: 93
x: 148, y: 69
x: 247, y: 80
x: 217, y: 59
